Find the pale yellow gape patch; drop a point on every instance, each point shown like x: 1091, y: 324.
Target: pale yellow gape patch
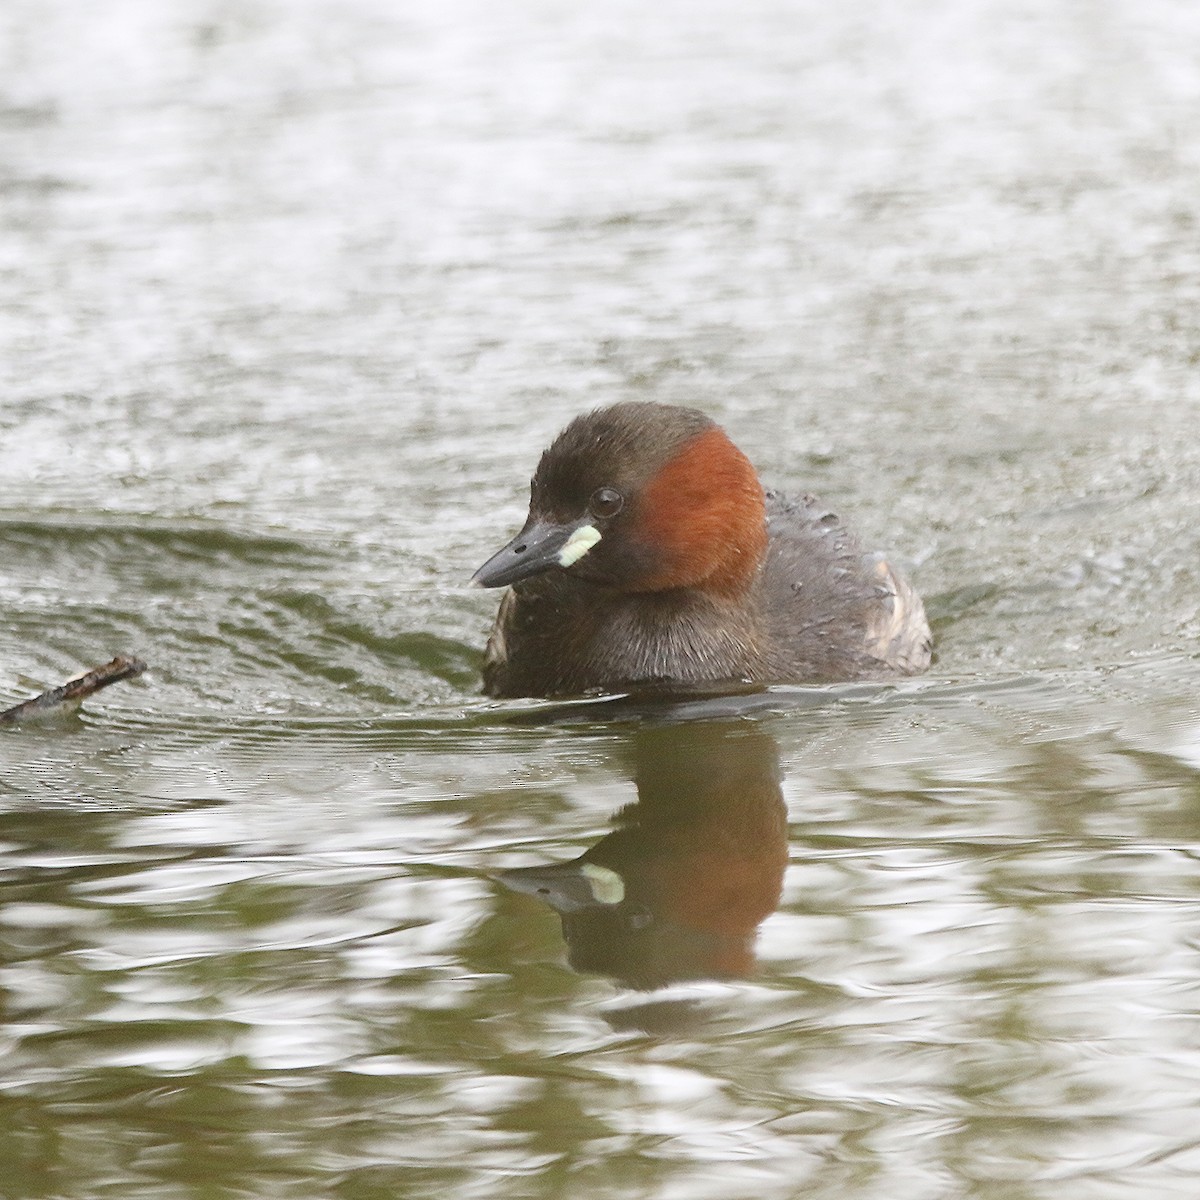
x: 578, y: 544
x: 607, y: 886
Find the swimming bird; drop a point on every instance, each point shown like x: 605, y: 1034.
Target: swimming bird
x: 653, y: 559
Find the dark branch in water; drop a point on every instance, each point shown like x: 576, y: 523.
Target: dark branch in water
x: 124, y: 666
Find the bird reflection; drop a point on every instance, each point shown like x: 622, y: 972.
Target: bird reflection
x: 677, y: 891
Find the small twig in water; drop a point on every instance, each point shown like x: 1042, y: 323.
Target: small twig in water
x: 124, y: 666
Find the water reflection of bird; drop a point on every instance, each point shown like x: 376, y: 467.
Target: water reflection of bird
x: 651, y: 556
x: 678, y: 890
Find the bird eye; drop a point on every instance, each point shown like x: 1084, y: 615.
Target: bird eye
x: 605, y: 502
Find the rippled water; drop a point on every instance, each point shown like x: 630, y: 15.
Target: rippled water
x: 293, y: 296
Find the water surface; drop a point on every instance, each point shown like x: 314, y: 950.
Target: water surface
x: 294, y: 294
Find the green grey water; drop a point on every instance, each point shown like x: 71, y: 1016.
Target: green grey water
x: 293, y: 296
